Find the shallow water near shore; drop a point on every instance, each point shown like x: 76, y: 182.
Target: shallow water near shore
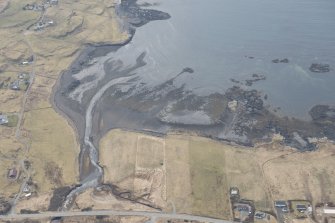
x: 234, y: 39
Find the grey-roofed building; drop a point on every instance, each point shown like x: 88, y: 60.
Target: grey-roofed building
x: 3, y: 119
x: 280, y: 204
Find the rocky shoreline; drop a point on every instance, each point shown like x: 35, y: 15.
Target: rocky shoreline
x: 238, y: 115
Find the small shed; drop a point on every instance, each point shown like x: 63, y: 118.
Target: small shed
x: 329, y: 211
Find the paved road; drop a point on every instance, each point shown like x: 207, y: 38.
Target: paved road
x: 151, y: 215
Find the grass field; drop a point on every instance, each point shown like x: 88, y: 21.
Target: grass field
x: 51, y: 147
x: 200, y: 171
x: 303, y: 176
x: 10, y: 152
x: 14, y: 16
x: 208, y: 179
x: 200, y: 175
x: 7, y: 188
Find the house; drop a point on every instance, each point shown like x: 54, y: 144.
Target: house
x: 234, y: 191
x: 28, y: 7
x: 234, y: 194
x: 39, y: 26
x: 15, y: 85
x: 3, y: 119
x: 244, y: 208
x: 54, y: 2
x: 12, y: 174
x: 51, y: 2
x: 38, y: 7
x: 22, y: 76
x: 35, y: 7
x: 301, y: 207
x: 42, y: 24
x: 27, y: 61
x: 260, y: 215
x: 26, y: 189
x: 31, y: 59
x: 243, y: 211
x: 280, y: 204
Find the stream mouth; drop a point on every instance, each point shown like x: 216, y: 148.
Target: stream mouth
x: 80, y: 105
x: 143, y: 87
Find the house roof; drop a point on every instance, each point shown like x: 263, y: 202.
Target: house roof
x: 3, y: 119
x: 280, y: 203
x: 12, y: 172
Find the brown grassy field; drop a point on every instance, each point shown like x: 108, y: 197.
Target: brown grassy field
x: 10, y: 153
x: 51, y: 147
x: 181, y: 161
x: 199, y: 171
x: 14, y: 16
x: 303, y: 175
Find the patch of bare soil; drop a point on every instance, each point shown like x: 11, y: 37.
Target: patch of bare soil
x: 4, y: 206
x: 105, y: 200
x: 40, y: 202
x: 58, y: 198
x: 54, y: 173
